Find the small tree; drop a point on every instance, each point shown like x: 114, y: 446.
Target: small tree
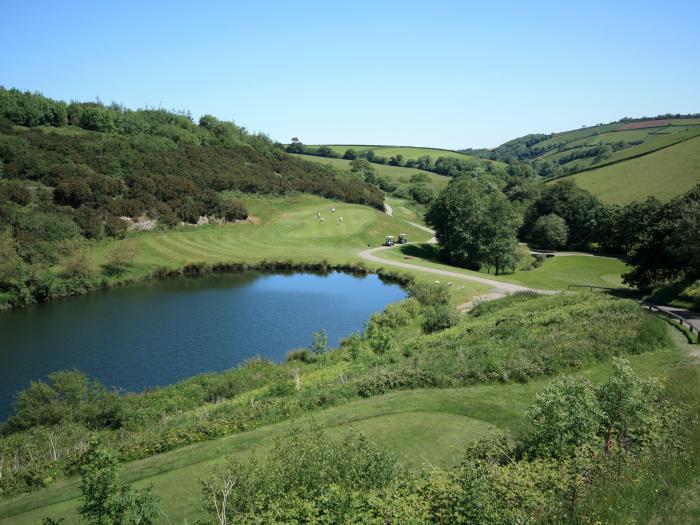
x: 550, y: 232
x: 121, y: 256
x: 350, y: 154
x: 99, y: 485
x: 105, y: 501
x: 320, y: 342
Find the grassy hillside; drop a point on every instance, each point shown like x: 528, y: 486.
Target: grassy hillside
x: 408, y: 152
x: 664, y: 174
x: 620, y: 161
x: 421, y: 425
x: 399, y: 175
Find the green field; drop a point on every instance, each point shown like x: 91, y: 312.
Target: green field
x: 663, y: 174
x: 408, y: 152
x: 421, y: 426
x: 557, y: 273
x: 397, y: 174
x: 288, y: 230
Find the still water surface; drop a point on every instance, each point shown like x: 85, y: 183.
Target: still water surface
x: 162, y: 331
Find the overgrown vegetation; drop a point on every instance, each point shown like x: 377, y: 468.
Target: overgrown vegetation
x: 81, y: 171
x: 586, y: 441
x: 514, y: 339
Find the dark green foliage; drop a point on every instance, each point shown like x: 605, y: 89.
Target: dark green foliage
x: 475, y: 226
x: 429, y: 294
x: 105, y: 500
x: 669, y: 247
x: 438, y: 317
x: 550, y: 232
x: 68, y: 397
x: 577, y: 207
x: 68, y: 183
x: 421, y: 193
x: 301, y: 354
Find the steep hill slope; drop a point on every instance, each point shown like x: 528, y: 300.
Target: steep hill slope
x: 619, y: 162
x: 664, y: 174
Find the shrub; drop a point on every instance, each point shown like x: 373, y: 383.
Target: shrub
x: 438, y: 318
x: 300, y: 354
x: 429, y: 294
x: 566, y: 415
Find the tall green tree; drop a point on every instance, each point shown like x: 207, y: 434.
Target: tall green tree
x: 475, y: 225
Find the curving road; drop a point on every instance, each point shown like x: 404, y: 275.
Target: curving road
x: 499, y: 288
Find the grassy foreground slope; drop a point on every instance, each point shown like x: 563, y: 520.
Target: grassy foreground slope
x: 423, y: 425
x: 664, y: 174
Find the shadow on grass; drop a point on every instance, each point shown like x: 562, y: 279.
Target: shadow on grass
x: 424, y: 251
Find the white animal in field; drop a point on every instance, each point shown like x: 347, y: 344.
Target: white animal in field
x: 340, y: 220
x: 333, y: 210
x: 323, y: 220
x: 318, y: 215
x: 437, y: 282
x: 449, y: 283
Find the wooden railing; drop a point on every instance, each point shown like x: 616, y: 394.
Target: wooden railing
x: 681, y: 320
x: 589, y: 286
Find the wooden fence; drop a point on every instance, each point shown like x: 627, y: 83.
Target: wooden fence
x: 681, y: 320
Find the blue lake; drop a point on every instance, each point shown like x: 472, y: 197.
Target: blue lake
x: 159, y: 332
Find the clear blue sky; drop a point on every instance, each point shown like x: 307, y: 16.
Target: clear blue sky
x: 434, y: 73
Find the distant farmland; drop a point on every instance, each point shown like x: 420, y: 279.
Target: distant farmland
x: 664, y: 174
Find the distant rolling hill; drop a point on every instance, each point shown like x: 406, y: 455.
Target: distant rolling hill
x: 619, y: 162
x: 664, y: 173
x: 408, y: 152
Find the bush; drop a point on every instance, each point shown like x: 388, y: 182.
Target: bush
x: 429, y: 294
x: 439, y: 317
x: 115, y: 227
x: 300, y: 354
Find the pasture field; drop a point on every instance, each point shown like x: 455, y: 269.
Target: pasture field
x: 398, y: 174
x: 663, y: 174
x: 557, y: 273
x: 422, y: 427
x: 408, y: 152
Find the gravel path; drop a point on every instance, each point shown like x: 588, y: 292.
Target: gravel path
x: 500, y: 289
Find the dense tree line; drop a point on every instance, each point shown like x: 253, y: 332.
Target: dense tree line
x: 73, y: 171
x: 478, y: 226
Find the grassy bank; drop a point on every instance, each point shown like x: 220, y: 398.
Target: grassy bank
x: 480, y: 390
x: 421, y: 426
